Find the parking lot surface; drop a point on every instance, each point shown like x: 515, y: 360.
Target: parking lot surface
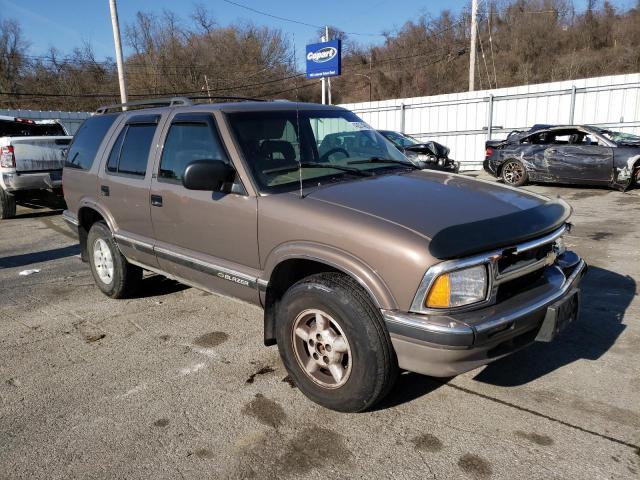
x: 176, y: 383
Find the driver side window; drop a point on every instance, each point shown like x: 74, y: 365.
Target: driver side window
x: 185, y: 143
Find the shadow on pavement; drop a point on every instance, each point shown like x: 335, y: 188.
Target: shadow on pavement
x: 157, y: 285
x: 37, y: 214
x: 409, y: 387
x: 605, y: 297
x: 38, y: 257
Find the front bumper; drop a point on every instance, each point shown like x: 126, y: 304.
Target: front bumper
x: 450, y: 166
x: 447, y: 345
x: 16, y: 181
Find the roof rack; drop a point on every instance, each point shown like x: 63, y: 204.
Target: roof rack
x: 151, y: 102
x: 174, y: 102
x: 227, y: 97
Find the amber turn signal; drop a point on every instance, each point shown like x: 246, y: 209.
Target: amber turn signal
x: 440, y: 293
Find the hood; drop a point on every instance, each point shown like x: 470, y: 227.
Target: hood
x: 433, y: 148
x: 459, y: 215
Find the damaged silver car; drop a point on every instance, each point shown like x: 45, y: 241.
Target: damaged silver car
x: 585, y: 155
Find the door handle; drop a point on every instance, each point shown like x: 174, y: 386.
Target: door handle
x: 156, y: 200
x: 104, y: 190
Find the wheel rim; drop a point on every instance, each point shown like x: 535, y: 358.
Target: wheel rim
x: 321, y: 348
x: 513, y: 172
x: 103, y: 261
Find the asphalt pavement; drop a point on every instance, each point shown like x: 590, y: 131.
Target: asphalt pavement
x: 176, y: 383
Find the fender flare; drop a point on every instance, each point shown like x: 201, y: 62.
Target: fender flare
x: 87, y: 203
x: 347, y: 263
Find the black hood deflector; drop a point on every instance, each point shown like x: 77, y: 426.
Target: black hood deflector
x: 504, y: 231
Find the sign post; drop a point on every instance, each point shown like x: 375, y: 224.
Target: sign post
x: 323, y: 60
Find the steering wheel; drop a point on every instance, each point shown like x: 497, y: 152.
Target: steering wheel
x: 328, y: 153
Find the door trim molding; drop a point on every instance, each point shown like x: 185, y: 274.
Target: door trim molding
x: 223, y: 273
x: 125, y: 241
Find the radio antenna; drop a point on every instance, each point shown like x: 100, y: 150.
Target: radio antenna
x: 295, y: 83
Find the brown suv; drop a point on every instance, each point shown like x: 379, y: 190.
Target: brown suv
x: 363, y: 263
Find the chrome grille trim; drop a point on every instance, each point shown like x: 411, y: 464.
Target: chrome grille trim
x: 490, y: 259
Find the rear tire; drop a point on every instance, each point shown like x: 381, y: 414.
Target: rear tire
x: 113, y: 274
x: 333, y: 343
x: 7, y: 204
x: 513, y: 173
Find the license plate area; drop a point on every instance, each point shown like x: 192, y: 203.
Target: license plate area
x: 559, y: 316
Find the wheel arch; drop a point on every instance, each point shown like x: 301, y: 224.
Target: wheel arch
x: 88, y: 214
x: 293, y: 262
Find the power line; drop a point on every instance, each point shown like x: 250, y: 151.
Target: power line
x: 484, y: 59
x: 493, y: 59
x: 298, y: 22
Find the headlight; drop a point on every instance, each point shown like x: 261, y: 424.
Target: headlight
x: 459, y: 288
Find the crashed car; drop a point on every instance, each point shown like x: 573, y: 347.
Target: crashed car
x: 585, y: 155
x: 431, y: 155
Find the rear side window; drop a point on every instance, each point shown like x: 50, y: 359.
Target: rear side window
x: 130, y: 152
x: 185, y: 143
x: 87, y: 140
x: 114, y: 156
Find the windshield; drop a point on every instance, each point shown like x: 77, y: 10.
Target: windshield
x: 317, y: 146
x: 400, y: 139
x: 618, y: 137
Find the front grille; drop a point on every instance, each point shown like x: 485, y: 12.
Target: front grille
x: 513, y: 261
x: 511, y: 288
x: 517, y: 272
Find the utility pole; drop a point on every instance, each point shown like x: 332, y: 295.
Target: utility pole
x: 472, y: 49
x: 323, y: 81
x: 326, y: 35
x: 116, y: 39
x: 206, y: 82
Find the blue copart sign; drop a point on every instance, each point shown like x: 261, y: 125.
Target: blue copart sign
x: 323, y: 59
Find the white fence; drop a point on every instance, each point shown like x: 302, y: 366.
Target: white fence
x: 70, y: 120
x: 463, y: 121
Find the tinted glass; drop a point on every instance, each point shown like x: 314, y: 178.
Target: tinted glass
x: 87, y: 141
x: 185, y: 143
x: 114, y: 156
x: 23, y: 129
x: 135, y: 149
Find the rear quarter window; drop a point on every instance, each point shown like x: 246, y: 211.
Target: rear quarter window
x: 87, y: 140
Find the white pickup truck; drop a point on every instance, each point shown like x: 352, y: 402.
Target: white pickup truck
x: 31, y: 158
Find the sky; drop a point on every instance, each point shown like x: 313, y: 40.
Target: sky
x: 66, y: 24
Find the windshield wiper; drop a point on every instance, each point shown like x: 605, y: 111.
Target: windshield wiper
x: 292, y: 168
x: 384, y: 160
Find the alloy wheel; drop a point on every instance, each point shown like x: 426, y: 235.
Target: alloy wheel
x: 103, y: 261
x: 513, y: 172
x: 321, y: 348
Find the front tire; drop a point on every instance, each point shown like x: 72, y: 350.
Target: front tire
x: 514, y: 173
x: 113, y: 274
x: 7, y: 204
x: 333, y: 343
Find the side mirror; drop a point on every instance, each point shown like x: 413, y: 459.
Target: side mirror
x: 208, y: 175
